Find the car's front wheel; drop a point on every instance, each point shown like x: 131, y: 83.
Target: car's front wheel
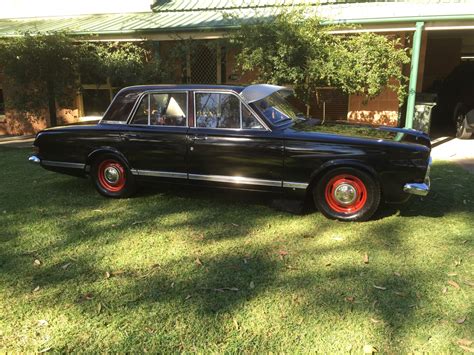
x: 112, y: 177
x: 347, y: 194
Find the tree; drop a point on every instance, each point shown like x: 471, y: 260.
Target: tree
x: 42, y: 70
x: 295, y: 48
x: 39, y: 70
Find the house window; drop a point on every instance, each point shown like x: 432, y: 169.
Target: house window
x: 95, y: 102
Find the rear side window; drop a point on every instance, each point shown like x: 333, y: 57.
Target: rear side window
x: 162, y: 109
x: 120, y: 108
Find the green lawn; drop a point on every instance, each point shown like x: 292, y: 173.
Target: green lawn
x: 176, y: 270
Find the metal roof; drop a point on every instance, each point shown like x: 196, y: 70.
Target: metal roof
x: 196, y: 15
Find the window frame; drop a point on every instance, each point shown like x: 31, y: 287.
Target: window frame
x: 241, y: 104
x: 150, y: 92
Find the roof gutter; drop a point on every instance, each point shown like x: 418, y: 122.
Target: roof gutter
x: 365, y: 21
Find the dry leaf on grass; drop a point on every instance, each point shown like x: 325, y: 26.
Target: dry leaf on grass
x: 198, y: 262
x: 349, y: 299
x: 401, y: 294
x: 461, y: 320
x: 369, y: 349
x: 465, y: 348
x: 42, y: 322
x: 469, y: 283
x: 188, y: 297
x: 327, y: 264
x: 380, y: 287
x: 107, y: 275
x: 283, y: 253
x: 65, y: 266
x: 97, y: 211
x: 37, y: 262
x: 452, y: 274
x: 366, y: 258
x: 454, y: 284
x: 465, y: 342
x: 396, y: 273
x: 235, y: 225
x: 373, y: 320
x: 252, y: 285
x: 37, y: 288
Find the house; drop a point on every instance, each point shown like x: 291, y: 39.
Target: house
x: 440, y: 34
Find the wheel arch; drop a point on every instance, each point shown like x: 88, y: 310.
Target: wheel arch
x: 92, y: 156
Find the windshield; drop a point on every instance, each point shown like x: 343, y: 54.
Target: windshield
x: 276, y: 108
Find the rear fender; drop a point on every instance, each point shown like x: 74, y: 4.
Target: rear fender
x: 104, y: 150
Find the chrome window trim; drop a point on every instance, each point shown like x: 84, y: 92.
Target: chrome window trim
x: 63, y: 164
x: 157, y: 91
x: 210, y: 91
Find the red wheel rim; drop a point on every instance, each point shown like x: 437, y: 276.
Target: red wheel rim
x: 111, y: 175
x: 346, y: 194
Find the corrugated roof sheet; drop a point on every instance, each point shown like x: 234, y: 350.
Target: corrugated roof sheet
x: 194, y: 15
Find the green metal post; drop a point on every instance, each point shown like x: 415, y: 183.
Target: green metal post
x: 415, y: 57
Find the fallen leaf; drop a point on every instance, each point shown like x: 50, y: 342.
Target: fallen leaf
x: 117, y: 273
x: 235, y: 225
x: 397, y: 274
x: 469, y: 283
x: 461, y: 320
x: 283, y: 253
x: 245, y: 261
x: 451, y: 274
x: 465, y: 348
x: 172, y: 285
x: 465, y: 342
x: 99, y: 308
x: 198, y: 262
x: 236, y: 324
x: 369, y: 349
x: 349, y: 299
x: 65, y: 266
x: 401, y: 294
x: 457, y: 262
x: 366, y: 258
x: 137, y: 222
x: 37, y: 262
x: 337, y: 238
x: 88, y: 296
x: 45, y: 350
x: 37, y: 288
x: 252, y: 285
x: 380, y: 287
x: 42, y: 322
x: 454, y: 284
x: 188, y: 297
x: 327, y: 264
x: 373, y: 320
x: 96, y: 210
x: 107, y: 275
x: 445, y: 289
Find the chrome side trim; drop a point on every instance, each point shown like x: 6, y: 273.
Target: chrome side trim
x: 63, y: 164
x: 165, y: 174
x: 295, y: 185
x: 235, y: 180
x: 34, y: 159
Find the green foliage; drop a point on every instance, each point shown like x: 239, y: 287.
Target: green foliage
x: 38, y: 67
x: 42, y: 69
x: 296, y: 49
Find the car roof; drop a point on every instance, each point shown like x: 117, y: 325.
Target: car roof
x: 136, y: 88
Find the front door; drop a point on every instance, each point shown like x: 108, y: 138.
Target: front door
x: 229, y: 146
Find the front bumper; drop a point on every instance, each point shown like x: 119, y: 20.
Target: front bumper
x: 34, y: 159
x: 417, y: 188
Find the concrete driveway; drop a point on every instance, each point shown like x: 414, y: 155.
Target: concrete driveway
x: 460, y: 151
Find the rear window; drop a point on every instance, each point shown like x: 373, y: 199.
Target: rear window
x: 121, y: 106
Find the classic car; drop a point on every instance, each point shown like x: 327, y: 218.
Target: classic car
x: 248, y: 138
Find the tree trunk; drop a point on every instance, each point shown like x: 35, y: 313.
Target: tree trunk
x: 52, y: 105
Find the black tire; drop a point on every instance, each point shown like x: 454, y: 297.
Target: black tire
x: 112, y: 177
x: 461, y: 127
x: 362, y: 188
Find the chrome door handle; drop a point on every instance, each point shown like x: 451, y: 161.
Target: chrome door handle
x: 200, y: 138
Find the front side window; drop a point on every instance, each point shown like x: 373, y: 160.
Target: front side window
x: 219, y: 110
x: 162, y: 109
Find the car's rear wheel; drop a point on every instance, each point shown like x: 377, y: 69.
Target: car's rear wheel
x: 347, y: 194
x: 112, y: 178
x: 461, y: 127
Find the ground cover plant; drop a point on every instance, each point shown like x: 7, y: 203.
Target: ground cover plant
x: 180, y: 270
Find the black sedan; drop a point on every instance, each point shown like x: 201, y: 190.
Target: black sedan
x: 248, y: 138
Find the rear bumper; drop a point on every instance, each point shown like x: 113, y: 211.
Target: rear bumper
x: 34, y: 159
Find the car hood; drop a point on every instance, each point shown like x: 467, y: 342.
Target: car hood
x: 377, y: 133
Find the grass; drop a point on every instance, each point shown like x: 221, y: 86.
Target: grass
x: 184, y: 271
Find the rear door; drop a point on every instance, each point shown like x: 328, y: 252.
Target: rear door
x: 155, y: 141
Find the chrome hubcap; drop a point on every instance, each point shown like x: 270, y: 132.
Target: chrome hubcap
x: 345, y: 194
x: 112, y: 175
